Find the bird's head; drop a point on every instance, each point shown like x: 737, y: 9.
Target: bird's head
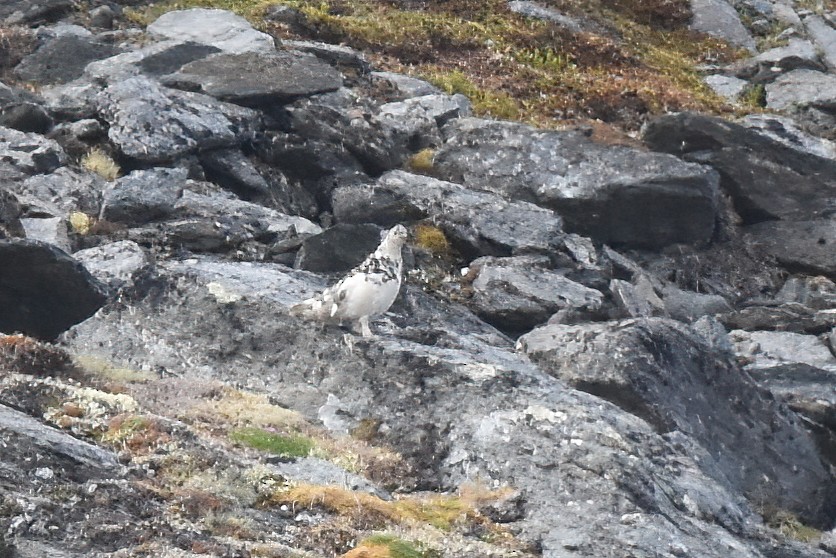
x: 394, y: 240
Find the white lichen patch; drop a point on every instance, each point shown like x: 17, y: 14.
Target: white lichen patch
x: 222, y: 294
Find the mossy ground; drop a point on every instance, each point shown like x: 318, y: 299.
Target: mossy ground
x: 636, y: 60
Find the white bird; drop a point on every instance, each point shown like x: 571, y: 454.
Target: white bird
x: 368, y: 290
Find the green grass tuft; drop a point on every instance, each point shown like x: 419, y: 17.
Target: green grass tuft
x: 277, y: 444
x: 398, y: 548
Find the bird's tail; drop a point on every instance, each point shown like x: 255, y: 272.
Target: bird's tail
x: 314, y: 308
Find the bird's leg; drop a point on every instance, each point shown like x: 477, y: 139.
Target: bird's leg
x: 365, y: 331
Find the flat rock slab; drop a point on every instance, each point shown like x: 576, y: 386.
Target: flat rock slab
x: 62, y: 59
x: 824, y: 35
x: 153, y: 124
x: 25, y: 154
x: 43, y: 291
x: 257, y: 79
x: 799, y: 245
x: 766, y: 178
x: 801, y: 88
x: 614, y: 194
x: 219, y: 28
x: 477, y: 223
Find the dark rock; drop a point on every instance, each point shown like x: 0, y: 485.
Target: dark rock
x: 766, y: 179
x: 10, y: 212
x: 62, y: 59
x: 153, y: 124
x: 341, y: 56
x: 517, y: 293
x: 661, y: 371
x: 25, y: 154
x: 477, y: 223
x: 102, y: 17
x: 22, y: 111
x: 232, y: 170
x: 614, y: 194
x: 327, y: 120
x: 798, y: 245
x: 257, y: 80
x: 76, y: 137
x: 22, y: 12
x: 219, y: 28
x: 43, y: 291
x: 144, y: 196
x: 174, y: 57
x: 339, y: 248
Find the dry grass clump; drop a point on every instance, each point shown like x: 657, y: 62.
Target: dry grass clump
x: 101, y: 163
x: 25, y: 355
x: 138, y: 434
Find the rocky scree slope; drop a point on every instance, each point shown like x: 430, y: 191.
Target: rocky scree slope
x: 637, y: 361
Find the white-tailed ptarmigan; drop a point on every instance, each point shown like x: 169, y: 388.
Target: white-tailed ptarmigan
x: 368, y: 290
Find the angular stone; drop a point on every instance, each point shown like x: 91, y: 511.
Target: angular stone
x: 61, y: 192
x: 768, y: 65
x: 786, y: 131
x: 660, y: 370
x: 767, y: 349
x: 517, y: 293
x: 719, y: 19
x: 406, y: 86
x: 144, y: 195
x: 219, y: 28
x: 824, y: 35
x: 339, y: 248
x: 727, y: 87
x: 232, y: 170
x: 477, y: 223
x: 766, y: 179
x: 688, y: 306
x: 43, y: 291
x: 62, y: 59
x: 25, y: 154
x: 419, y: 118
x: 153, y: 124
x: 614, y: 194
x: 10, y: 212
x: 49, y: 230
x: 802, y: 88
x: 637, y: 299
x: 340, y: 56
x: 256, y: 79
x: 798, y: 245
x: 116, y: 263
x: 22, y: 111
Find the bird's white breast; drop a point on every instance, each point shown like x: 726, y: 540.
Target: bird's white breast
x: 363, y: 294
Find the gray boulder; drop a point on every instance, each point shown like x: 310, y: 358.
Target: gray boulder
x: 153, y: 124
x: 233, y: 171
x: 405, y: 87
x: 786, y: 131
x: 43, y: 291
x: 25, y: 154
x: 798, y: 245
x: 808, y: 95
x: 61, y: 192
x: 219, y: 28
x: 765, y: 178
x: 340, y: 56
x: 418, y: 119
x: 824, y: 35
x: 614, y: 194
x: 62, y: 59
x: 477, y: 223
x: 768, y: 65
x: 728, y: 87
x: 515, y: 294
x: 257, y: 79
x: 662, y: 372
x: 718, y: 18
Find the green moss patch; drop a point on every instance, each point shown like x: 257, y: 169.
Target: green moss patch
x: 277, y: 444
